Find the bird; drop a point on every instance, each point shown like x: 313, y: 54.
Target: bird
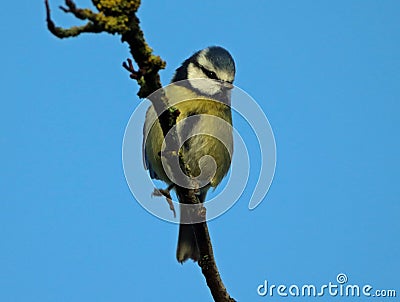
x: 201, y: 91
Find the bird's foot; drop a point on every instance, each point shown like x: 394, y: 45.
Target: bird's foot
x: 166, y: 193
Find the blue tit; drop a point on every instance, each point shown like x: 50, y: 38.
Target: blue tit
x: 200, y: 90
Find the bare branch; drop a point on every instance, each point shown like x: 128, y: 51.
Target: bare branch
x: 208, y: 265
x: 116, y: 17
x: 82, y: 14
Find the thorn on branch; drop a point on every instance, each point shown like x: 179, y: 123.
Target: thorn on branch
x: 64, y: 9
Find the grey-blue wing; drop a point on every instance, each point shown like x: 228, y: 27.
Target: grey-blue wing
x: 147, y: 165
x: 146, y: 162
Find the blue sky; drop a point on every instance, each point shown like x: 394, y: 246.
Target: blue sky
x: 326, y: 74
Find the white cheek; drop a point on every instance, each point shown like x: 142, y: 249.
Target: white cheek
x: 195, y: 73
x: 200, y: 81
x: 206, y: 86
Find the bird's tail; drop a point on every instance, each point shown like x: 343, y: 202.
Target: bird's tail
x: 187, y: 242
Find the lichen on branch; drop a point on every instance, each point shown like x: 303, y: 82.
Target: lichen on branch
x: 115, y: 17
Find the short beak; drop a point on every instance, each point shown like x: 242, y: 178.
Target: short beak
x: 227, y: 85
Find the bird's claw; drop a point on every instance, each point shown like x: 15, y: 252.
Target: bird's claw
x: 166, y: 193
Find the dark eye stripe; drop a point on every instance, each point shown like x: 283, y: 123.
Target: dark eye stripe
x: 210, y: 74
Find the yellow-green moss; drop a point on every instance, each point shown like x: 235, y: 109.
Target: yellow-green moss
x: 114, y: 7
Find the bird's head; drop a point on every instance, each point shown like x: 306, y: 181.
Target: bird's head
x: 210, y: 71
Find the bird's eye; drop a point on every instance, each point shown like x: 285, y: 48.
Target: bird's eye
x: 210, y: 74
